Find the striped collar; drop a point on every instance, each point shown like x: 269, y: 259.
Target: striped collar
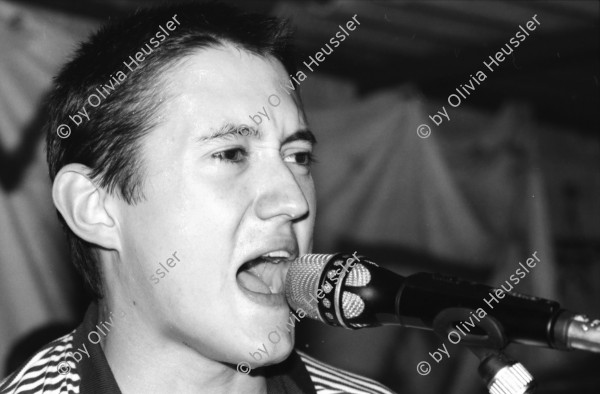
x: 66, y: 366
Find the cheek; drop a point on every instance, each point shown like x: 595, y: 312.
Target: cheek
x: 212, y: 197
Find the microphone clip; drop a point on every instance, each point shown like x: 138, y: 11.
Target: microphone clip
x: 486, y: 339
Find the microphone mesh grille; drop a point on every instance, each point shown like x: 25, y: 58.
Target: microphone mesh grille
x: 305, y: 272
x: 358, y: 276
x: 352, y: 305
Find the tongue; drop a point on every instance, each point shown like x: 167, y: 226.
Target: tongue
x: 253, y: 283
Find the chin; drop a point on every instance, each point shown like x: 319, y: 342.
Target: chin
x: 280, y: 356
x: 270, y: 345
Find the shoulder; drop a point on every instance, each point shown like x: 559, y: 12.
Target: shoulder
x: 331, y: 380
x: 50, y: 370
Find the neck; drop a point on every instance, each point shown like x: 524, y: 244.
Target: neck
x: 144, y: 361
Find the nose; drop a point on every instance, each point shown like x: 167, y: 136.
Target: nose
x: 281, y: 193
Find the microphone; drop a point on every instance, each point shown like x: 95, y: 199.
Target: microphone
x: 353, y: 292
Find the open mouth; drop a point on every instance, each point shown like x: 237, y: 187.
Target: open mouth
x: 264, y: 274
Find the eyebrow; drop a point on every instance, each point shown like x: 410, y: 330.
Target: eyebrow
x: 301, y: 135
x: 230, y: 130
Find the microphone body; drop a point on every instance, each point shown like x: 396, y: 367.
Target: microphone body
x: 353, y: 292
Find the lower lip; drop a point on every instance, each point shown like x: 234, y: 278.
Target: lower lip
x: 272, y: 300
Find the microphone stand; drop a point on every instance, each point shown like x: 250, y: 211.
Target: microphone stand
x: 584, y: 334
x: 501, y: 374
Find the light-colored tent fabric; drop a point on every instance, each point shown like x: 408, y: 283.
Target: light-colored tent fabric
x: 33, y: 260
x: 377, y: 181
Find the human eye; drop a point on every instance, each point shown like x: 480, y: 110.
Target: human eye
x: 232, y: 155
x: 302, y: 158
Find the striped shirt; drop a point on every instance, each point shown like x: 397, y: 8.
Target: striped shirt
x: 54, y: 369
x: 330, y: 380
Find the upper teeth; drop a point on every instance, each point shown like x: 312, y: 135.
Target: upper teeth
x: 278, y: 253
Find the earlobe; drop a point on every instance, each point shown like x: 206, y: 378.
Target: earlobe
x: 85, y: 206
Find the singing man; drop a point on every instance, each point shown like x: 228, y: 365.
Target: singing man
x: 158, y: 169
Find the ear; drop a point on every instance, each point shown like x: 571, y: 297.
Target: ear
x: 88, y: 209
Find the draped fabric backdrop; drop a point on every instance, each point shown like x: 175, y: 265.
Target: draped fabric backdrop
x: 36, y: 284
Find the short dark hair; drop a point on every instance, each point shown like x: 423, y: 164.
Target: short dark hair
x: 109, y: 142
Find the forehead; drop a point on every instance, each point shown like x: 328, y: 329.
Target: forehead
x: 230, y: 84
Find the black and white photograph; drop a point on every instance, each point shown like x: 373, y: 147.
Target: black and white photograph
x: 300, y: 196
